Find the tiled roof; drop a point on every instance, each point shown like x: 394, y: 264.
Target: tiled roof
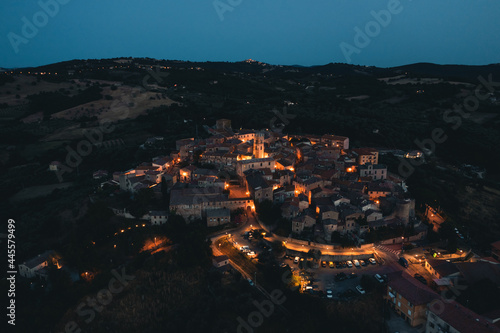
x: 443, y: 267
x: 462, y: 319
x: 411, y: 289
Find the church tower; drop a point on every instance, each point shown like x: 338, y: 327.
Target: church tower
x: 258, y: 145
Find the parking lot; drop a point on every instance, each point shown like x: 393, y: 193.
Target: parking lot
x: 324, y: 278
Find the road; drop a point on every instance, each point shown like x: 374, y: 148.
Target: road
x: 246, y: 275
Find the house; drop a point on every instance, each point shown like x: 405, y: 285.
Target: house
x: 186, y: 174
x: 162, y: 162
x: 409, y: 297
x: 303, y: 202
x: 373, y: 215
x: 216, y: 217
x: 55, y: 166
x: 329, y: 226
x: 158, y: 217
x: 258, y: 186
x: 256, y: 163
x: 366, y: 155
x: 451, y: 317
x: 341, y: 142
x: 441, y: 268
x: 375, y: 172
x: 327, y: 212
x: 281, y: 194
x: 290, y: 208
x: 305, y: 220
x: 377, y: 190
x: 37, y: 266
x: 221, y: 262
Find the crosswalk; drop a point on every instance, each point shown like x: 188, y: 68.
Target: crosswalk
x: 386, y: 249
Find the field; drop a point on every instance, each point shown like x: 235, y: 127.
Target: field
x: 38, y: 191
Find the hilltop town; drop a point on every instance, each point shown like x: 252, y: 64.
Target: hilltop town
x: 321, y: 184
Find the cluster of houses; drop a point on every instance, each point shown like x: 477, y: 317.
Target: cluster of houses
x: 437, y: 309
x: 321, y: 184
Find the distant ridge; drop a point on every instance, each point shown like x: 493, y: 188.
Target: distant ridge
x: 468, y: 73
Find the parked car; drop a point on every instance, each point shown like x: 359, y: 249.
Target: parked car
x: 379, y: 278
x: 331, y: 264
x: 403, y: 262
x: 250, y: 282
x: 372, y: 261
x: 349, y: 264
x: 323, y: 264
x: 329, y: 293
x: 338, y: 264
x: 352, y: 275
x: 355, y: 262
x: 362, y: 263
x: 360, y: 290
x: 344, y: 264
x: 296, y: 260
x: 420, y: 278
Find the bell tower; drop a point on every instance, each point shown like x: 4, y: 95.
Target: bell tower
x: 258, y: 145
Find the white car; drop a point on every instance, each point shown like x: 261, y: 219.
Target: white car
x: 378, y: 278
x: 355, y: 262
x: 360, y: 290
x: 329, y: 293
x: 250, y: 282
x: 296, y: 260
x: 372, y: 261
x: 349, y: 264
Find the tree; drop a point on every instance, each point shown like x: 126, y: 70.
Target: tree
x: 316, y: 254
x: 142, y: 200
x: 278, y: 249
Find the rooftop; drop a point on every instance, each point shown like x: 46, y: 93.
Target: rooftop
x: 411, y: 289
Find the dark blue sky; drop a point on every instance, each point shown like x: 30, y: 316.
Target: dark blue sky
x: 275, y: 31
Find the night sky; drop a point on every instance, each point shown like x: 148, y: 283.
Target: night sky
x: 284, y: 32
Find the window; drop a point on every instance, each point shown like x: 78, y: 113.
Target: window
x: 409, y: 312
x: 399, y: 303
